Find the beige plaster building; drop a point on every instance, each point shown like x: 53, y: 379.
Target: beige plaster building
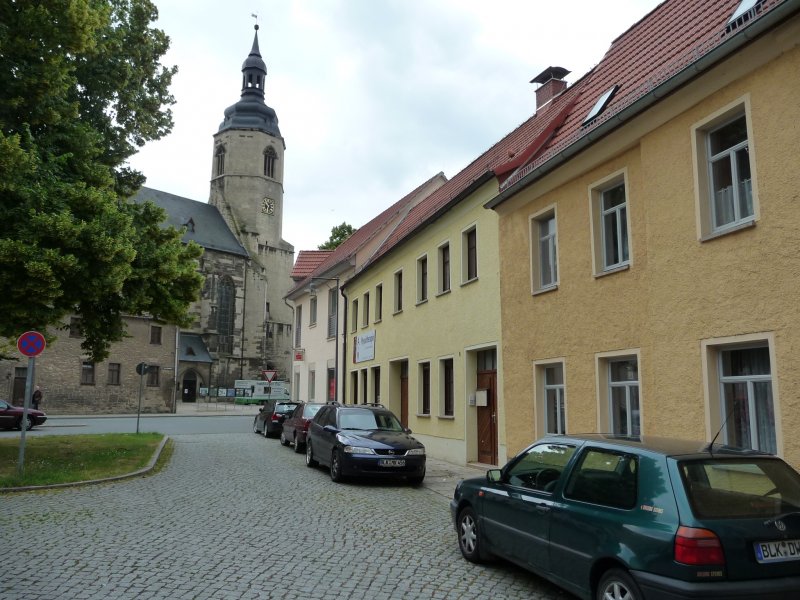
x: 650, y: 272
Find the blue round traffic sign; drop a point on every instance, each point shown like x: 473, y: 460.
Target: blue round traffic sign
x: 31, y: 343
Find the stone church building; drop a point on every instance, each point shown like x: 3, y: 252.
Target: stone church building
x: 242, y: 326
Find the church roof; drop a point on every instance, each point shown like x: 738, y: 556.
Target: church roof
x: 203, y: 223
x: 192, y: 348
x: 307, y: 261
x: 251, y: 112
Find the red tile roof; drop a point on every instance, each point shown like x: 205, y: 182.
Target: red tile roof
x: 307, y: 261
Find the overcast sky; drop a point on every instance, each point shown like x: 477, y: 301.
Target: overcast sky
x: 373, y: 96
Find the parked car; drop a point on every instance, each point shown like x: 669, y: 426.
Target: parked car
x: 271, y: 416
x: 620, y: 517
x: 295, y: 427
x: 363, y: 440
x: 11, y: 416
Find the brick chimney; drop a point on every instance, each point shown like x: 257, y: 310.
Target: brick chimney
x: 551, y: 84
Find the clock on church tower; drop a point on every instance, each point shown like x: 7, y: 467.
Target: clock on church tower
x: 268, y: 206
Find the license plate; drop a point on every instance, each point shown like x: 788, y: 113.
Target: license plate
x: 780, y: 551
x: 392, y: 462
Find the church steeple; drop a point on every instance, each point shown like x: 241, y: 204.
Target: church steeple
x: 250, y: 112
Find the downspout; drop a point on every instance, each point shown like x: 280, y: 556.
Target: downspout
x: 177, y: 381
x: 772, y: 19
x: 344, y: 348
x: 290, y: 375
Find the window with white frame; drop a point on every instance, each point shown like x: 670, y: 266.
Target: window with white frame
x: 555, y: 421
x: 747, y: 409
x: 623, y: 396
x: 365, y: 310
x: 422, y: 279
x: 613, y: 209
x: 446, y: 383
x: 425, y: 388
x: 312, y: 385
x: 544, y: 259
x: 354, y: 316
x: 333, y: 309
x: 724, y: 171
x: 469, y: 254
x: 378, y: 302
x: 312, y: 311
x: 398, y: 291
x: 376, y: 385
x: 298, y: 318
x: 444, y: 268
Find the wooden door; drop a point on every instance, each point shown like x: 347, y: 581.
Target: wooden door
x: 487, y: 419
x: 404, y: 395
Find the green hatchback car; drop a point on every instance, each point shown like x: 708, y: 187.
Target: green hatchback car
x: 626, y: 518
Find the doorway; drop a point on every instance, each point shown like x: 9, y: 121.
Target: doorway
x: 189, y: 387
x: 487, y: 415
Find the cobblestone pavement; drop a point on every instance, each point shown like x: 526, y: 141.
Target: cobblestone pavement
x: 237, y: 516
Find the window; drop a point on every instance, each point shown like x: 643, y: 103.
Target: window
x: 623, y: 395
x: 554, y: 398
x: 298, y: 316
x: 544, y: 259
x: 333, y: 310
x: 226, y: 302
x: 422, y: 279
x: 600, y: 105
x: 331, y: 385
x: 446, y: 387
x: 425, y: 388
x: 725, y: 190
x: 153, y: 376
x: 444, y: 268
x: 610, y: 241
x: 378, y: 302
x: 155, y: 335
x: 354, y: 316
x: 75, y: 327
x: 354, y: 379
x: 87, y: 373
x: 604, y: 477
x: 746, y: 392
x: 312, y: 311
x: 365, y: 310
x: 219, y: 161
x: 398, y: 291
x: 364, y: 386
x: 270, y: 157
x: 312, y: 380
x: 114, y: 370
x: 469, y: 257
x: 376, y: 385
x: 540, y: 467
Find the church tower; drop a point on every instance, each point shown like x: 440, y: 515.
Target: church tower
x: 247, y: 188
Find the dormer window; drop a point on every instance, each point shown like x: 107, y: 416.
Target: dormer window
x: 600, y: 105
x: 189, y: 225
x: 270, y: 158
x: 747, y: 10
x: 219, y: 161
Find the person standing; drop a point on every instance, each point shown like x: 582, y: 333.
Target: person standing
x: 36, y: 398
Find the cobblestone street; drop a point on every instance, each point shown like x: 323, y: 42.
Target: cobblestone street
x: 238, y: 516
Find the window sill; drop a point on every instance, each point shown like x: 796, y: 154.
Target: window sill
x: 423, y: 415
x: 443, y: 293
x: 397, y: 312
x: 723, y: 232
x: 376, y: 321
x: 549, y: 288
x: 447, y: 417
x: 468, y: 281
x: 312, y: 325
x: 613, y: 270
x: 423, y: 301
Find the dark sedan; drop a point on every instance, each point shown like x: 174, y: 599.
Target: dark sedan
x: 364, y: 440
x: 11, y: 416
x: 613, y: 518
x: 295, y: 427
x: 271, y: 416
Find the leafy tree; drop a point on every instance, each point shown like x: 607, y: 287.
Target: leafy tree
x: 81, y: 89
x: 339, y: 233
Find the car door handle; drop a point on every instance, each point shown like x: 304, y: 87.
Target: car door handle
x: 542, y: 508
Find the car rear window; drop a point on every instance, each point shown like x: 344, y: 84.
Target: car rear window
x: 310, y: 410
x: 743, y: 488
x: 284, y: 408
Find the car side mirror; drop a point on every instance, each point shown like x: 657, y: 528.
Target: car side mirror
x: 330, y: 429
x: 494, y: 475
x: 408, y: 430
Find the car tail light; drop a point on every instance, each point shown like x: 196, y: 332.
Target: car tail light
x: 695, y: 546
x: 276, y: 417
x: 306, y: 423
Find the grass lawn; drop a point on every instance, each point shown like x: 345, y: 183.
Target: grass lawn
x: 68, y: 458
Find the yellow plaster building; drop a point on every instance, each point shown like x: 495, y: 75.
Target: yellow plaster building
x: 650, y: 280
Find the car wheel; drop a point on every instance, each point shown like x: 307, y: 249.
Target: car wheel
x: 417, y: 479
x: 336, y: 466
x: 266, y: 430
x: 284, y: 441
x: 617, y: 584
x: 30, y: 423
x: 255, y: 425
x: 468, y: 539
x: 298, y: 447
x: 310, y: 462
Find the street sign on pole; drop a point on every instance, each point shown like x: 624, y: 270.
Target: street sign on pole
x: 269, y: 375
x: 31, y: 343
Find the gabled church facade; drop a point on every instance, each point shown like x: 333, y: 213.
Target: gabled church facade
x: 241, y: 324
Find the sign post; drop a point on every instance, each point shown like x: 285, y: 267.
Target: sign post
x: 141, y: 369
x: 30, y: 344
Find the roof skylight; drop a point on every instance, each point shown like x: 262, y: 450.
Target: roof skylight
x: 601, y: 104
x: 743, y: 8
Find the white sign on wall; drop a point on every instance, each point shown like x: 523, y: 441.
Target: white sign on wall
x: 364, y: 347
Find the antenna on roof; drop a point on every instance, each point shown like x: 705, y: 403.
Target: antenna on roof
x: 725, y: 422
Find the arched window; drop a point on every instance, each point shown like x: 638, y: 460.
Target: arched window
x: 219, y: 163
x: 270, y: 158
x: 226, y: 305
